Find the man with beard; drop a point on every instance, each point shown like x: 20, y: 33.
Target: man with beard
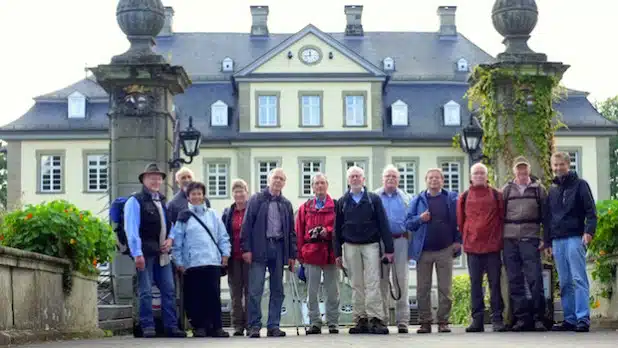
x: 180, y: 201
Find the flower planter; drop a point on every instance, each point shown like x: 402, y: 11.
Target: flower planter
x: 34, y: 306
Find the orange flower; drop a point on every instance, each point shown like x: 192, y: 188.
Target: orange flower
x: 597, y: 304
x: 94, y: 262
x: 28, y: 217
x: 73, y: 241
x: 1, y: 237
x: 602, y: 252
x: 81, y: 217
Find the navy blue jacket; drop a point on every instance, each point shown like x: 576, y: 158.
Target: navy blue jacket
x: 571, y: 210
x: 253, y: 232
x: 419, y: 228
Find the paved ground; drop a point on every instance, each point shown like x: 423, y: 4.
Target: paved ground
x: 458, y: 338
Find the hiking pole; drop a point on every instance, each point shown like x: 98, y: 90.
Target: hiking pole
x: 296, y: 298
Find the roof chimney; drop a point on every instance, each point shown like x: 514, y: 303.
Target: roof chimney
x: 354, y: 26
x: 447, y: 21
x: 259, y: 26
x: 168, y: 29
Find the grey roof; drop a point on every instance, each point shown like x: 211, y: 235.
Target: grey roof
x: 425, y: 77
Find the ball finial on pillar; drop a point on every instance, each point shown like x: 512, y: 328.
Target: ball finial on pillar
x: 141, y: 21
x: 515, y: 20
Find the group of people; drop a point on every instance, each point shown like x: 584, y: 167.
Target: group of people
x: 371, y: 236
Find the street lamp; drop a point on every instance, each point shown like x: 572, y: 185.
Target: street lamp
x: 190, y: 139
x: 471, y: 138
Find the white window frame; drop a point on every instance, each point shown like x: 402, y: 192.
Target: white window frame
x: 350, y: 162
x: 575, y: 160
x: 399, y: 113
x: 268, y: 110
x: 389, y: 64
x: 50, y: 166
x: 407, y: 167
x: 354, y: 110
x: 462, y: 65
x: 76, y: 105
x: 98, y: 172
x: 227, y: 65
x: 221, y: 179
x: 452, y: 114
x: 219, y: 114
x: 311, y: 110
x: 447, y: 170
x: 270, y: 164
x: 315, y: 165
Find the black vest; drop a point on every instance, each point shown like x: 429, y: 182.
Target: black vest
x: 150, y: 223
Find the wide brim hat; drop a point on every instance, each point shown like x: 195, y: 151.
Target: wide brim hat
x: 151, y: 168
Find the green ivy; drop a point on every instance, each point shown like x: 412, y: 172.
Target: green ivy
x: 604, y: 247
x: 60, y: 229
x: 461, y: 311
x: 529, y: 122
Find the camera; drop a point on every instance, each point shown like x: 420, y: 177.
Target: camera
x: 315, y: 234
x: 385, y: 260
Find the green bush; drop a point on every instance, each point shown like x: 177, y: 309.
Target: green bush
x: 59, y: 229
x: 604, y: 246
x: 461, y: 311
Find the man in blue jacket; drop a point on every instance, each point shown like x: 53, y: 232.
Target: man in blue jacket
x: 571, y: 223
x: 268, y: 240
x: 432, y: 216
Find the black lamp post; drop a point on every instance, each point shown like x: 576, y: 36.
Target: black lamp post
x: 190, y: 140
x: 471, y: 138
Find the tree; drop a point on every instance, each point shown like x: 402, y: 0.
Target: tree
x: 609, y: 109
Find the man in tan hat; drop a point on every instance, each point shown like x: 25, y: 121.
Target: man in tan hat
x: 524, y: 200
x: 149, y: 239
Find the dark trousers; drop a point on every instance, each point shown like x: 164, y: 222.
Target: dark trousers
x: 202, y: 287
x: 478, y: 265
x: 238, y: 280
x: 257, y: 277
x: 523, y: 264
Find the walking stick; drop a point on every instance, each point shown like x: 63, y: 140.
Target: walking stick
x: 296, y: 299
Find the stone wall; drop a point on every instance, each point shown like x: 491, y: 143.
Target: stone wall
x: 33, y: 306
x: 606, y: 315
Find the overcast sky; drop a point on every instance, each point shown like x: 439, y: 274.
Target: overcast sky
x: 47, y: 44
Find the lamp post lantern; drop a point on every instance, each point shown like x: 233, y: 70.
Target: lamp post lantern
x: 471, y: 139
x: 190, y: 140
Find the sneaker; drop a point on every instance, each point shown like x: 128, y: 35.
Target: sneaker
x: 564, y: 326
x: 443, y: 328
x: 362, y: 326
x: 314, y: 330
x: 378, y: 327
x: 275, y: 332
x: 582, y: 327
x: 499, y: 326
x: 476, y: 326
x: 239, y: 332
x: 424, y: 329
x: 254, y: 332
x: 149, y: 332
x: 200, y: 333
x: 333, y: 329
x: 175, y: 333
x: 539, y: 326
x: 402, y: 328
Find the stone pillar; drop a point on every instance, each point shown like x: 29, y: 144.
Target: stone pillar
x: 141, y: 86
x: 515, y: 20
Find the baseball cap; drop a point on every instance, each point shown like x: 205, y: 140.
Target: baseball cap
x: 519, y: 161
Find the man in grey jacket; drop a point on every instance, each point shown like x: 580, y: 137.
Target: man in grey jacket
x: 180, y: 201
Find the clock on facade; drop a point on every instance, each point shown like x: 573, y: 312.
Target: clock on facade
x: 310, y: 55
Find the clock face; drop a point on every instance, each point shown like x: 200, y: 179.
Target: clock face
x: 310, y: 55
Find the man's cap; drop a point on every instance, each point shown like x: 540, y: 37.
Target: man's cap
x: 519, y: 161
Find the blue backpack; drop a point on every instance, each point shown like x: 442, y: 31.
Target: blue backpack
x: 116, y: 217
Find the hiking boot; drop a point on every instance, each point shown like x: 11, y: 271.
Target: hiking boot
x: 175, y: 333
x: 333, y: 329
x: 539, y: 326
x: 582, y: 327
x: 378, y: 327
x: 362, y: 326
x: 254, y: 332
x: 275, y: 332
x: 239, y: 332
x: 443, y: 328
x: 402, y: 328
x: 149, y: 332
x: 424, y: 329
x: 314, y: 330
x: 520, y: 325
x: 219, y: 333
x: 476, y: 326
x: 199, y: 333
x: 564, y: 326
x: 498, y: 326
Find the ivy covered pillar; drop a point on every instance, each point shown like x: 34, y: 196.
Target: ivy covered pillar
x: 141, y: 86
x: 514, y: 97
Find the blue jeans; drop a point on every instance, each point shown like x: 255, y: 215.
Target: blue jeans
x: 257, y: 276
x: 163, y: 278
x: 570, y: 258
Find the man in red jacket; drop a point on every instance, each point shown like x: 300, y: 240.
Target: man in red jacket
x: 480, y: 218
x: 314, y: 227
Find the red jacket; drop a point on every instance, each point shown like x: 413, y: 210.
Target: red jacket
x: 318, y: 253
x: 481, y: 220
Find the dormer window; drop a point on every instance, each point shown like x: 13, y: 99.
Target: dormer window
x: 227, y: 65
x: 452, y: 114
x: 389, y: 64
x: 399, y: 113
x: 219, y: 114
x: 462, y: 65
x: 77, y: 105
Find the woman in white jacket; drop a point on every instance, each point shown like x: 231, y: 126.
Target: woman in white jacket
x: 201, y: 251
